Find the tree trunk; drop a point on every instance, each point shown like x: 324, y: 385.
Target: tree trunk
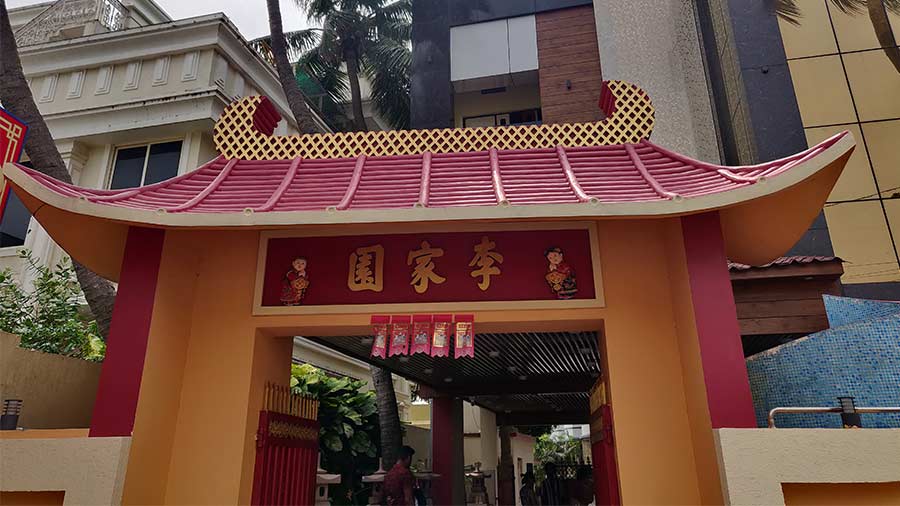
x: 297, y: 102
x: 506, y: 477
x: 388, y: 417
x: 359, y: 118
x: 879, y: 17
x: 17, y: 98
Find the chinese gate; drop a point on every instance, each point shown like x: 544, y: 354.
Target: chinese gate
x: 287, y: 449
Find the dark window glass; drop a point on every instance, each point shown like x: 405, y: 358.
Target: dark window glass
x: 14, y: 222
x: 136, y: 167
x: 129, y: 168
x: 163, y: 162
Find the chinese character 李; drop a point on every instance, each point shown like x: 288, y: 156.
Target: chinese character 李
x: 423, y: 271
x: 484, y: 259
x: 366, y: 268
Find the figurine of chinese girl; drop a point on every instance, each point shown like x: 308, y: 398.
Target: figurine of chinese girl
x: 294, y: 283
x: 560, y: 276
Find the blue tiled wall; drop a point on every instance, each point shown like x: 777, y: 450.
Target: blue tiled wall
x: 858, y: 356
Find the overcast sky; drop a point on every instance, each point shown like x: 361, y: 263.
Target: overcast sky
x: 248, y: 15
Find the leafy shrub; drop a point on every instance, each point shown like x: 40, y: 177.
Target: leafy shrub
x: 348, y: 434
x: 47, y: 317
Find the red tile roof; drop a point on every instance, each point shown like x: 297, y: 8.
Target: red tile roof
x: 642, y: 172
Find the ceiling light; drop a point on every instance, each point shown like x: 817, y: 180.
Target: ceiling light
x: 523, y: 377
x: 494, y: 354
x: 428, y: 371
x: 448, y: 379
x: 367, y: 340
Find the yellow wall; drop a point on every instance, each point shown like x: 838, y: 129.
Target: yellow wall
x: 768, y: 466
x: 841, y: 494
x: 208, y: 359
x: 513, y: 99
x: 58, y: 391
x: 827, y: 51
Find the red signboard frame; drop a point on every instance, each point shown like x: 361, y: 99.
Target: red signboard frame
x: 325, y: 287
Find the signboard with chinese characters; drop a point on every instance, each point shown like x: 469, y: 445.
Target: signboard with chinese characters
x: 466, y: 267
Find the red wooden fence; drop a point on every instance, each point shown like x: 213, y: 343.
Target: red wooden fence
x: 287, y: 450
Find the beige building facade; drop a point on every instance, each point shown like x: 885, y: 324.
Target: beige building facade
x: 844, y: 81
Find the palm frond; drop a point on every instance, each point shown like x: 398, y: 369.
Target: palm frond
x: 786, y: 10
x: 850, y: 6
x: 387, y: 65
x: 263, y: 46
x: 302, y: 41
x: 892, y: 6
x: 329, y: 75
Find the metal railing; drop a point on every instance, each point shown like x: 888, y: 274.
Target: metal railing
x: 776, y: 411
x: 111, y: 14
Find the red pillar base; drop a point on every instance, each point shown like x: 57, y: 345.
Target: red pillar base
x: 603, y: 456
x: 447, y: 451
x: 120, y: 377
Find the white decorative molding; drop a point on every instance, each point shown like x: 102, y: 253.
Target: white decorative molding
x: 237, y: 86
x: 191, y: 66
x: 48, y: 88
x: 132, y: 76
x: 219, y: 71
x: 104, y: 80
x: 161, y: 71
x: 76, y: 84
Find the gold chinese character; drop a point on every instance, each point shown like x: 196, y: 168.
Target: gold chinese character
x: 485, y: 258
x: 366, y: 268
x: 423, y: 272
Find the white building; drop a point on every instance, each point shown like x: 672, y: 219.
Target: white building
x: 131, y: 96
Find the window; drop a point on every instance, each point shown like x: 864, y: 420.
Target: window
x: 524, y: 117
x: 143, y: 165
x: 14, y: 218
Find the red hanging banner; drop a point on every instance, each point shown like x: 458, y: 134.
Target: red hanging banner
x: 380, y: 334
x: 421, y: 334
x: 440, y: 335
x: 399, y: 335
x: 465, y: 336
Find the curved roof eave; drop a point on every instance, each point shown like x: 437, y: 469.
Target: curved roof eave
x: 759, y: 221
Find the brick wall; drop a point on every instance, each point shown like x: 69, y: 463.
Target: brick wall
x: 567, y: 51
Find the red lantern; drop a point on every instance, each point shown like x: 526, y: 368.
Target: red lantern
x: 380, y: 334
x: 464, y: 344
x: 421, y: 334
x: 399, y: 335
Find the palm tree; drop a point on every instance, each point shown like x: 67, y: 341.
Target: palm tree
x: 878, y: 14
x: 16, y: 97
x: 388, y: 415
x: 278, y: 54
x: 369, y: 38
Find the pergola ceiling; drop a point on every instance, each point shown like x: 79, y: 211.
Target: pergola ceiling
x: 526, y: 378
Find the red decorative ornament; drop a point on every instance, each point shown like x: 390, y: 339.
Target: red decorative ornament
x: 399, y: 335
x: 421, y: 334
x: 440, y: 335
x: 380, y: 334
x: 465, y: 336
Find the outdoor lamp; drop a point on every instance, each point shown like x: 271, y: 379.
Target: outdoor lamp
x: 849, y: 417
x: 9, y: 419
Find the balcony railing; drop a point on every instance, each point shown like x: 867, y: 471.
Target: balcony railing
x: 49, y: 25
x: 776, y: 411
